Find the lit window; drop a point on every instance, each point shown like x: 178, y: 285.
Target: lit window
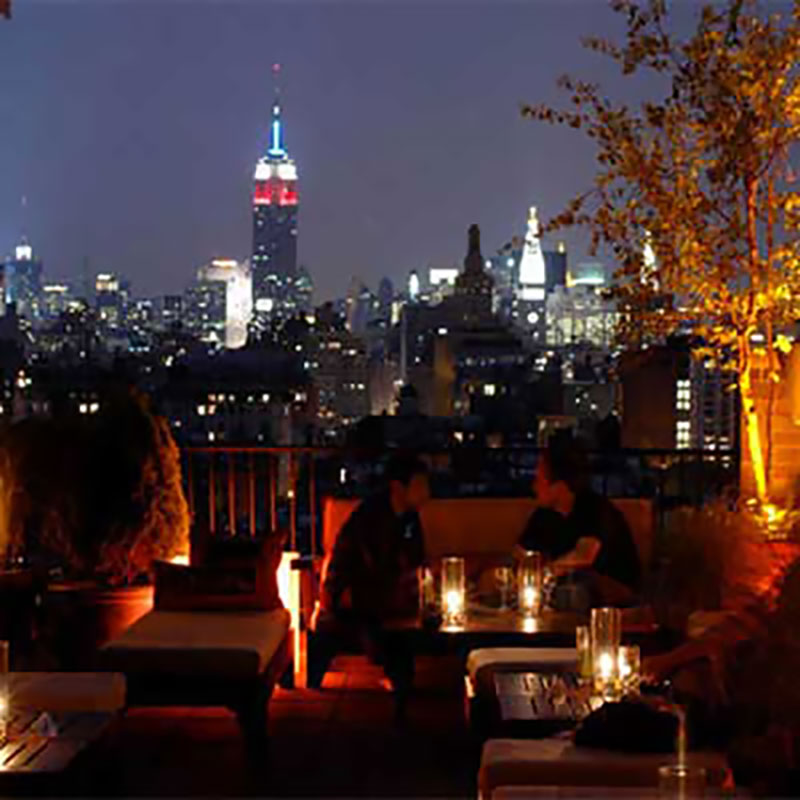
x: 489, y: 390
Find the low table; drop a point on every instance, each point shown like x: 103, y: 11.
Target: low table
x: 532, y: 703
x: 488, y: 627
x: 42, y: 746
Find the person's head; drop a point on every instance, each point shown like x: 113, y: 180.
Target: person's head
x: 560, y: 474
x: 407, y: 478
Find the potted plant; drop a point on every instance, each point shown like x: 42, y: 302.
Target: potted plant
x: 97, y: 498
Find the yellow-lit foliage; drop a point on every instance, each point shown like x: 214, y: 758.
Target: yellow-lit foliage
x: 703, y: 175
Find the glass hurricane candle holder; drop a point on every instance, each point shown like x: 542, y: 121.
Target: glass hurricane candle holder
x: 629, y: 668
x: 504, y: 578
x: 529, y: 584
x: 583, y: 644
x: 454, y: 601
x: 606, y: 632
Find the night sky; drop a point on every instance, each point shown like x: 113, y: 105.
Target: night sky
x: 132, y: 129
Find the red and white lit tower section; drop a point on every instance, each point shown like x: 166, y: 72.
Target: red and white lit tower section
x: 275, y: 207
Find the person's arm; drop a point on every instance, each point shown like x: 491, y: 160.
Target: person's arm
x: 582, y: 556
x: 344, y: 567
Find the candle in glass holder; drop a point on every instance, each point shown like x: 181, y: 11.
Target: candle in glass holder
x: 606, y: 631
x: 453, y: 591
x: 629, y: 668
x: 583, y: 644
x: 4, y: 714
x: 529, y: 584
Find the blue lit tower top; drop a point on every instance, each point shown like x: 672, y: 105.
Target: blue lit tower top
x: 276, y: 174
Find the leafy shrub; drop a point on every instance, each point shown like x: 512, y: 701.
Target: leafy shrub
x: 99, y: 495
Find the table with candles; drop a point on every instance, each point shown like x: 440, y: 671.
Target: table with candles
x: 452, y: 618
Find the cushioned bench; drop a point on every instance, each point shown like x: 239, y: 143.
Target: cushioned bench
x: 482, y: 530
x: 101, y: 692
x: 558, y: 762
x: 197, y: 658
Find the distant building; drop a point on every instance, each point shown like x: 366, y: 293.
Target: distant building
x: 109, y: 299
x: 361, y: 305
x: 473, y: 294
x: 171, y: 310
x: 279, y: 289
x: 442, y: 282
x: 22, y: 282
x: 205, y: 311
x: 674, y: 401
x: 341, y: 378
x: 530, y: 309
x: 579, y: 315
x: 220, y: 305
x: 56, y: 298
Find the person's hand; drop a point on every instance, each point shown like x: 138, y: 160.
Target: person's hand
x: 656, y: 669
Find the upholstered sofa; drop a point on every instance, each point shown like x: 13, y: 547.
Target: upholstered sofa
x: 204, y: 658
x: 558, y: 762
x: 481, y: 530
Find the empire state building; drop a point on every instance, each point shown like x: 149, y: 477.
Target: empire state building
x: 278, y: 287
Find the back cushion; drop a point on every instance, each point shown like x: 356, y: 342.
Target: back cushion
x: 483, y: 526
x: 638, y: 513
x: 474, y: 526
x: 236, y: 574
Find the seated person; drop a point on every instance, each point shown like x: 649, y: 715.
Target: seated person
x: 582, y: 536
x: 372, y: 574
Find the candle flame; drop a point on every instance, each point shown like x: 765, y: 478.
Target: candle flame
x: 605, y: 666
x: 454, y: 601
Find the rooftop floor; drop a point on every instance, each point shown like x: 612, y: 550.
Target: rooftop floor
x: 338, y: 741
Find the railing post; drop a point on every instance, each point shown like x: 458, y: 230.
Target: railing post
x: 190, y: 483
x: 312, y: 500
x: 292, y: 501
x: 273, y: 489
x: 212, y: 495
x: 251, y: 493
x: 232, y: 493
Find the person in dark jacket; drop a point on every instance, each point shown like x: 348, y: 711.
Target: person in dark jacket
x: 372, y: 575
x: 583, y: 537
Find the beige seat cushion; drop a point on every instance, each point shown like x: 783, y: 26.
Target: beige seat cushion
x: 557, y: 762
x: 575, y: 792
x: 530, y: 659
x: 230, y: 644
x: 67, y: 691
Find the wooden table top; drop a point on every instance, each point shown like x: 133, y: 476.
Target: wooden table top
x: 541, y: 697
x: 483, y: 619
x: 40, y: 742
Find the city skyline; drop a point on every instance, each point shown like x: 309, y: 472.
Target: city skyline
x: 144, y: 165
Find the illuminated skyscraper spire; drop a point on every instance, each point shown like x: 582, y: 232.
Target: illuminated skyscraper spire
x: 276, y: 148
x: 276, y: 285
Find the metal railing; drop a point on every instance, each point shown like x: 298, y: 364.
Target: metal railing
x: 252, y: 490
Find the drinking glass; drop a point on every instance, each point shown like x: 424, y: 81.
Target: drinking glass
x: 529, y: 584
x: 606, y: 632
x: 504, y: 578
x: 454, y: 605
x: 681, y: 780
x: 629, y: 666
x: 583, y: 644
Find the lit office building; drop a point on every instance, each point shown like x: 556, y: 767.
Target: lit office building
x: 219, y: 306
x: 579, y: 315
x: 22, y: 282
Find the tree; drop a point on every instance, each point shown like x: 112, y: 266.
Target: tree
x: 702, y: 176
